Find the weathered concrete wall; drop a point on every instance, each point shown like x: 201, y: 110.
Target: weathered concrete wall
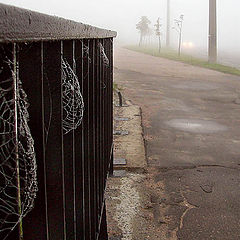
x: 17, y: 24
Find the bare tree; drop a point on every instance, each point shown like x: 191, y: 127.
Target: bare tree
x: 178, y: 28
x: 158, y: 33
x: 143, y: 27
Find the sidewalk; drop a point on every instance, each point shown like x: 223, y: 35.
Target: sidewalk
x: 130, y: 209
x: 123, y: 196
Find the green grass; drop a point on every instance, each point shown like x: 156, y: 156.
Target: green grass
x: 173, y: 55
x: 116, y: 87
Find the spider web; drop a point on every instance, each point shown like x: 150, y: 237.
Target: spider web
x: 18, y: 169
x: 73, y: 105
x: 103, y: 55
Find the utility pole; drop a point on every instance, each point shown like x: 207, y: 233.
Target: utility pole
x: 158, y: 33
x: 168, y: 24
x: 212, y: 38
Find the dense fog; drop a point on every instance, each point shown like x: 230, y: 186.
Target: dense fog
x: 123, y: 16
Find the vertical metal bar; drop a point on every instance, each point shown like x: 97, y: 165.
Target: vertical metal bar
x: 54, y: 141
x: 16, y: 99
x: 103, y: 89
x: 101, y: 159
x: 109, y: 93
x: 111, y: 99
x: 79, y: 153
x: 107, y: 109
x: 74, y: 159
x: 69, y: 154
x: 30, y: 73
x: 104, y: 117
x: 63, y: 164
x: 44, y: 139
x: 109, y: 105
x: 92, y: 138
x: 97, y: 128
x: 86, y: 138
x: 103, y: 234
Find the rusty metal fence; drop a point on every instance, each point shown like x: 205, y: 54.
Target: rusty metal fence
x: 60, y: 74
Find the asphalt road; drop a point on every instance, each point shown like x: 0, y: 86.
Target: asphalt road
x: 191, y: 120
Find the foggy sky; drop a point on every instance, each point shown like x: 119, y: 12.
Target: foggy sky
x: 123, y: 15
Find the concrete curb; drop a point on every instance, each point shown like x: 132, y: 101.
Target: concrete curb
x: 123, y: 199
x: 131, y: 146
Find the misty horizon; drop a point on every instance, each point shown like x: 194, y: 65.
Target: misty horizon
x: 123, y: 17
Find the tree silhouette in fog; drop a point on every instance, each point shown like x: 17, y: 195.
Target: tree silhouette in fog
x: 143, y: 27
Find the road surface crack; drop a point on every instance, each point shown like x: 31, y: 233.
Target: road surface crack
x: 189, y: 207
x: 181, y: 168
x: 207, y: 188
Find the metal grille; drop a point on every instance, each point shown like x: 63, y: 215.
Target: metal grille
x: 68, y: 115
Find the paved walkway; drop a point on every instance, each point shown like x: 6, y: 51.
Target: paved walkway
x: 191, y: 120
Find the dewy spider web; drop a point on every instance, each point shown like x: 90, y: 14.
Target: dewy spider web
x: 73, y: 105
x: 103, y: 55
x: 18, y: 169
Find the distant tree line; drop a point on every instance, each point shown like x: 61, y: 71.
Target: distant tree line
x: 146, y: 31
x: 143, y: 26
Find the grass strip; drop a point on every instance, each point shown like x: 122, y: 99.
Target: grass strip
x: 173, y: 55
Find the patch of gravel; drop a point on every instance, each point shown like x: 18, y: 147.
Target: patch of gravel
x: 128, y: 207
